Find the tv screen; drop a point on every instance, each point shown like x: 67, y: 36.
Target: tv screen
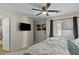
x: 25, y: 27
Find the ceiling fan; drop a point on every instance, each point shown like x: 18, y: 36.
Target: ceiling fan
x: 45, y: 10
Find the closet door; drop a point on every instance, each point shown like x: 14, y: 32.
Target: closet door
x: 6, y: 34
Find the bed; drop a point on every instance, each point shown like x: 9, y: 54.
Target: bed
x: 50, y: 46
x: 55, y: 46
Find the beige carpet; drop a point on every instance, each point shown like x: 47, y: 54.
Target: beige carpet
x: 19, y: 52
x: 1, y: 50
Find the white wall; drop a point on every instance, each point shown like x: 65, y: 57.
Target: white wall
x: 40, y: 35
x: 66, y: 27
x: 16, y: 36
x: 20, y: 39
x: 47, y: 28
x: 67, y: 24
x: 27, y: 35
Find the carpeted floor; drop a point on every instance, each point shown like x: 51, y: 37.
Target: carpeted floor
x: 1, y: 50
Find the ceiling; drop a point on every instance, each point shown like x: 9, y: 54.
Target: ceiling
x: 26, y: 8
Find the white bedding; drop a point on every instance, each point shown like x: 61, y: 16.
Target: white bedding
x: 51, y: 46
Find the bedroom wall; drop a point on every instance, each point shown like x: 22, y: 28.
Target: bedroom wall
x: 39, y: 35
x: 47, y: 28
x: 27, y: 35
x: 67, y: 27
x: 67, y: 24
x: 23, y: 38
x: 16, y: 38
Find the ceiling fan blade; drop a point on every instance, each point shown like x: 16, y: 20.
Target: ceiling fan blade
x: 44, y: 8
x: 53, y: 10
x: 36, y: 9
x: 39, y: 14
x: 47, y: 5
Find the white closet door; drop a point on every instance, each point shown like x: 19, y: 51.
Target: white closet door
x: 6, y: 37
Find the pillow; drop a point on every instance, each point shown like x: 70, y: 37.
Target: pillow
x: 73, y: 48
x: 76, y: 42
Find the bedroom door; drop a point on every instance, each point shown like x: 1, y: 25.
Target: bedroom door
x: 57, y: 28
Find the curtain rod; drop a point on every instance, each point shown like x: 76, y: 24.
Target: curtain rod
x: 67, y: 18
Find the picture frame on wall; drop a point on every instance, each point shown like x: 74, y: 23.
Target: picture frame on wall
x: 38, y: 27
x: 43, y: 26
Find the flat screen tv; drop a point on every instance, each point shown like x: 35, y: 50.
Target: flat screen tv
x: 25, y: 27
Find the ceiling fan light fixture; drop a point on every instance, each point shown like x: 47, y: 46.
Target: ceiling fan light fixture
x: 44, y: 12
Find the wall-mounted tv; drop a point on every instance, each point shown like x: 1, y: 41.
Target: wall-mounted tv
x: 25, y: 27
